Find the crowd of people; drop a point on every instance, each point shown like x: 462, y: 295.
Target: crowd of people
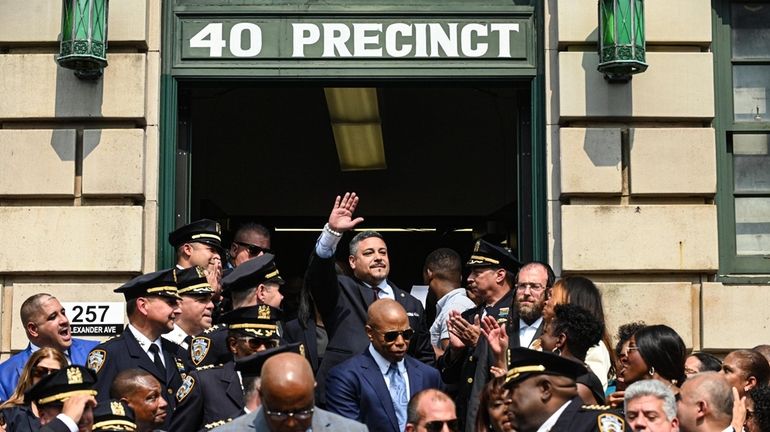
x: 510, y: 348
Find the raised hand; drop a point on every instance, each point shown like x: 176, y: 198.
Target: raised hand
x: 467, y: 333
x: 496, y: 335
x: 341, y: 216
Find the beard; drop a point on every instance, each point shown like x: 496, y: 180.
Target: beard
x: 530, y: 314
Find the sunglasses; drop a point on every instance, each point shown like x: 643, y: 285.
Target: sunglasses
x: 438, y: 425
x: 256, y: 343
x: 41, y: 371
x: 254, y: 250
x: 281, y: 416
x: 391, y: 336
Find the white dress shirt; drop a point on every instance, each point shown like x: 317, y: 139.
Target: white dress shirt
x: 546, y: 427
x: 527, y: 332
x: 145, y: 343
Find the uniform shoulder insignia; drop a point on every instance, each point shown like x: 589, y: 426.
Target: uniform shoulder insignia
x: 214, y: 328
x: 96, y: 359
x: 208, y: 366
x: 185, y: 388
x: 596, y: 407
x: 609, y: 422
x: 199, y: 347
x: 217, y: 423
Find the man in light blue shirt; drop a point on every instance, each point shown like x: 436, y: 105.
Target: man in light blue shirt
x: 443, y: 273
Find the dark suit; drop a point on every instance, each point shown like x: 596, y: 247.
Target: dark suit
x: 343, y: 303
x: 306, y: 334
x: 214, y: 393
x: 123, y: 352
x: 10, y: 370
x: 579, y: 418
x: 469, y: 371
x: 323, y: 421
x: 55, y: 425
x: 20, y: 418
x: 356, y: 389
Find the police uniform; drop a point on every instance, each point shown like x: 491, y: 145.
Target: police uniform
x: 574, y: 417
x: 210, y: 347
x: 204, y: 231
x: 468, y: 373
x: 191, y: 282
x: 59, y: 386
x: 113, y: 416
x: 211, y: 393
x: 125, y: 351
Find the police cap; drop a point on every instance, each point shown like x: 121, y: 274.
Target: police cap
x: 61, y: 385
x: 160, y: 283
x: 259, y: 321
x: 113, y: 415
x: 251, y: 366
x: 192, y: 281
x: 485, y: 254
x: 204, y: 231
x: 251, y: 273
x: 526, y: 363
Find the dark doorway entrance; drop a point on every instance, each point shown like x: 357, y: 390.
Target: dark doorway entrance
x: 266, y: 153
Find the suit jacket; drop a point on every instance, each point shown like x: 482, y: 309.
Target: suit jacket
x: 356, y: 389
x: 323, y: 421
x: 207, y: 395
x: 470, y: 370
x: 294, y: 331
x: 343, y: 303
x: 123, y: 352
x: 10, y: 370
x: 593, y: 418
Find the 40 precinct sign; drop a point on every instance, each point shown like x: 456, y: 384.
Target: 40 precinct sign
x: 441, y: 42
x: 95, y: 318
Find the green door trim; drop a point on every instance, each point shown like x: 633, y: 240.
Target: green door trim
x: 170, y: 81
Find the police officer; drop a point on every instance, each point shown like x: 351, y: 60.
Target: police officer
x: 252, y: 283
x: 65, y: 399
x: 151, y: 305
x: 466, y: 367
x: 544, y: 396
x: 211, y: 393
x: 196, y: 311
x: 199, y: 243
x: 113, y: 416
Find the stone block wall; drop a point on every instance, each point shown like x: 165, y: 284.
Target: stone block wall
x: 78, y: 159
x: 632, y: 175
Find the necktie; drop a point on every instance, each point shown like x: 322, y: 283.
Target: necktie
x: 156, y: 359
x: 376, y: 291
x: 186, y: 342
x: 398, y: 394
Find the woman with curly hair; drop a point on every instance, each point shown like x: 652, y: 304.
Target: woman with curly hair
x: 16, y: 414
x: 758, y: 410
x: 581, y: 291
x: 570, y: 333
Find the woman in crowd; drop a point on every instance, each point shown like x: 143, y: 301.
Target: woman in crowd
x: 570, y: 333
x: 745, y: 369
x: 701, y: 362
x: 496, y: 399
x: 581, y: 291
x: 15, y: 413
x: 653, y: 352
x: 758, y: 410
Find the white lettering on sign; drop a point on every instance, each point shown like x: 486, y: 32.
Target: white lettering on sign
x: 95, y: 318
x: 366, y: 40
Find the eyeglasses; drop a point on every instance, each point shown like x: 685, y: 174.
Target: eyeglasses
x: 254, y: 250
x: 41, y: 371
x: 437, y: 425
x: 305, y: 414
x: 256, y: 343
x: 391, y: 336
x: 536, y: 288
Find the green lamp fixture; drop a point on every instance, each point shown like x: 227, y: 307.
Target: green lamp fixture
x: 621, y: 39
x: 84, y: 37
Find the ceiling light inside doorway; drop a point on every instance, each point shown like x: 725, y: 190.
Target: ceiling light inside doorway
x: 355, y: 121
